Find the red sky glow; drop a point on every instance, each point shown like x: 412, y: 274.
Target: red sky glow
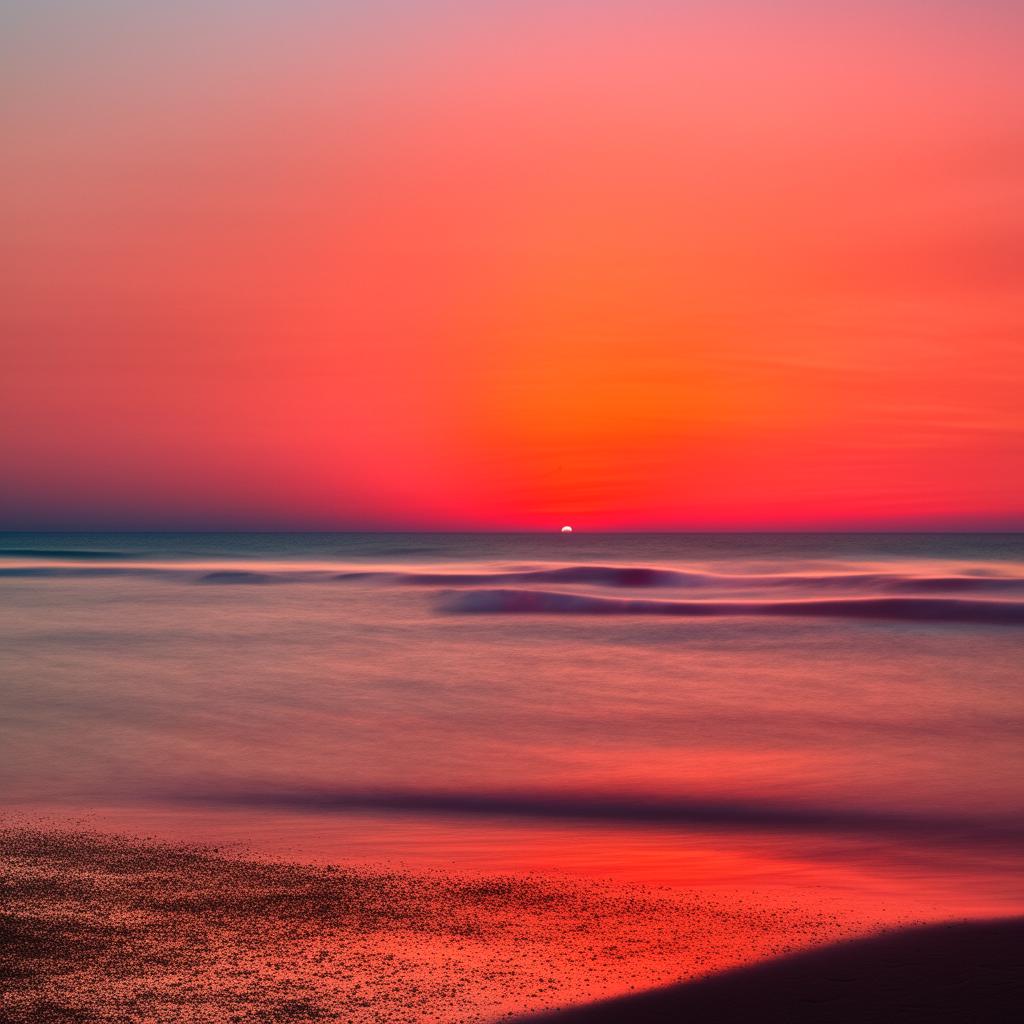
x: 720, y: 265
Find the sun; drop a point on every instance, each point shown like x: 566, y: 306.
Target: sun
x: 566, y: 529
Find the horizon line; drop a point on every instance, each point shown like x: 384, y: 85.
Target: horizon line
x: 541, y: 532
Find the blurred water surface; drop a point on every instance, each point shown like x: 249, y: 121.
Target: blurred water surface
x: 369, y: 696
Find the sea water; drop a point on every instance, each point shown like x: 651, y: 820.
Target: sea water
x: 814, y: 712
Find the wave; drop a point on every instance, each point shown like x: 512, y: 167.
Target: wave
x: 599, y: 575
x: 913, y: 609
x: 617, y: 577
x: 974, y: 584
x: 637, y: 577
x: 232, y: 576
x: 86, y: 572
x: 63, y: 554
x: 668, y: 811
x: 226, y: 576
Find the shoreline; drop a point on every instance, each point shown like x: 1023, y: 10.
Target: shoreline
x: 963, y: 972
x: 100, y: 927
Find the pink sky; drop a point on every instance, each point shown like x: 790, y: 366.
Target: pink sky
x: 452, y: 264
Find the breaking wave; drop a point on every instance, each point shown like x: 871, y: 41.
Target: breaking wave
x: 516, y: 585
x: 597, y: 575
x: 636, y: 577
x: 913, y: 609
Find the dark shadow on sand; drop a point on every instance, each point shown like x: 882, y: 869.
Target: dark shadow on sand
x: 965, y: 972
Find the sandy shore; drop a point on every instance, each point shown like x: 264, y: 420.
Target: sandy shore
x: 105, y: 928
x: 101, y: 928
x: 970, y: 973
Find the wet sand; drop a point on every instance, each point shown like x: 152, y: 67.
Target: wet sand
x: 969, y: 973
x: 104, y: 928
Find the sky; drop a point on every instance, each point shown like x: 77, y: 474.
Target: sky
x: 720, y: 264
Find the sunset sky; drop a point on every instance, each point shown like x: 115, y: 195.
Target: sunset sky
x: 719, y: 264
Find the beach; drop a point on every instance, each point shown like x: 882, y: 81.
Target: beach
x: 98, y: 927
x: 954, y: 972
x: 104, y: 928
x: 460, y: 778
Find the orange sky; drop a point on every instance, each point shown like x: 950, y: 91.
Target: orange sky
x: 436, y: 264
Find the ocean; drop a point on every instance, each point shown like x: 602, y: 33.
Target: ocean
x: 837, y: 715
